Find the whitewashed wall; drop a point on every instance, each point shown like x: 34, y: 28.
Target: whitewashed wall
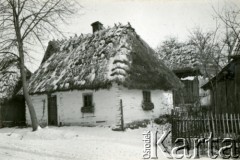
x: 132, y: 108
x: 69, y: 107
x: 106, y: 103
x: 205, y: 98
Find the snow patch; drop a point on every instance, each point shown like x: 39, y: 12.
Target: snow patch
x: 190, y: 78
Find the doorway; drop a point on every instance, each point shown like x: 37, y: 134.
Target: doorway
x: 52, y: 110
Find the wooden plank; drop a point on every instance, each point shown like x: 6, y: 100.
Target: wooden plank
x: 202, y: 121
x: 189, y: 126
x: 215, y: 117
x: 122, y: 118
x: 176, y: 127
x: 209, y: 124
x: 205, y: 124
x: 216, y: 124
x: 213, y: 125
x: 193, y: 127
x: 220, y: 126
x: 180, y: 127
x: 186, y: 129
x: 239, y: 123
x: 227, y: 120
x: 197, y: 127
x: 203, y: 131
x: 188, y: 133
x: 235, y: 122
x: 232, y: 128
x: 200, y: 126
x: 224, y: 127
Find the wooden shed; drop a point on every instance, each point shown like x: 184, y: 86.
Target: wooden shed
x: 225, y: 86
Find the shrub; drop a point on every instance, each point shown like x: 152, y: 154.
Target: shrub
x: 163, y: 119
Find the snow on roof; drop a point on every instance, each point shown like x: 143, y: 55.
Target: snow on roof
x: 94, y: 61
x: 186, y: 59
x: 182, y: 58
x: 9, y: 76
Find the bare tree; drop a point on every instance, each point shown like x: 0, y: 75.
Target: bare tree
x: 230, y: 17
x: 23, y: 23
x: 208, y: 50
x: 203, y: 50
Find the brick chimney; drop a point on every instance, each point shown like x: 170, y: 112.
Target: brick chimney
x: 97, y: 26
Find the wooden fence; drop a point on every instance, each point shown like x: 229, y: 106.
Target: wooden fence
x: 201, y: 125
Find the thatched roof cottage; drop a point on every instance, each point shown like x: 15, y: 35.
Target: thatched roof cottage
x: 12, y: 106
x: 82, y: 80
x: 193, y: 70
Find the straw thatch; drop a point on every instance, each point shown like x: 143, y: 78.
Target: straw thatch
x: 183, y: 58
x: 95, y: 61
x: 9, y: 76
x: 186, y: 60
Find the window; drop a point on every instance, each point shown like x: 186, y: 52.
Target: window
x: 147, y: 103
x: 87, y: 100
x: 146, y: 96
x: 88, y: 106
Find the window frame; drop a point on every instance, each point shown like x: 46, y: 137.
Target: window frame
x: 87, y: 104
x: 147, y: 96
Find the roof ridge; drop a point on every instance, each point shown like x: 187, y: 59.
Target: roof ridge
x: 84, y: 35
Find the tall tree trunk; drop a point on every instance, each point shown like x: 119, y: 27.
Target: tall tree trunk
x: 22, y: 69
x: 25, y: 88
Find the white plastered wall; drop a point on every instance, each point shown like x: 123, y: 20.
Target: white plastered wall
x: 204, y: 95
x: 106, y: 104
x: 132, y: 104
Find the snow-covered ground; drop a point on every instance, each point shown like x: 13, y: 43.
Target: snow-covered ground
x: 78, y: 143
x: 70, y: 143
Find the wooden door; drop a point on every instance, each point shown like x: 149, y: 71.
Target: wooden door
x: 52, y: 110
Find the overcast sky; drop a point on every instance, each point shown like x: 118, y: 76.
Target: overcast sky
x: 153, y: 20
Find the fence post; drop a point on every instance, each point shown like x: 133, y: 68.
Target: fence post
x: 231, y: 117
x: 209, y: 124
x: 238, y: 123
x: 220, y: 124
x: 235, y: 121
x: 122, y: 121
x: 224, y: 127
x: 173, y: 126
x: 213, y: 125
x: 228, y: 129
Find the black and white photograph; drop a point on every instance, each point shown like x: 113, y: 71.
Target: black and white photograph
x: 119, y: 79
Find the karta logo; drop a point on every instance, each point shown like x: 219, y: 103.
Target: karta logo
x: 152, y: 144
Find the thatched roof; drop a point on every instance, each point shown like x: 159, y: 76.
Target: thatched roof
x: 9, y: 76
x: 94, y: 61
x: 182, y: 58
x: 185, y: 61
